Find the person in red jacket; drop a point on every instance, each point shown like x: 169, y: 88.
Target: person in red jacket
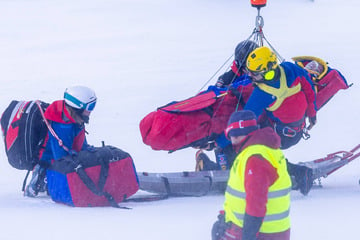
x: 283, y: 97
x: 238, y: 67
x: 284, y: 92
x: 259, y: 185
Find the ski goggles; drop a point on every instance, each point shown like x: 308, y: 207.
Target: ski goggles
x: 90, y: 106
x: 84, y: 106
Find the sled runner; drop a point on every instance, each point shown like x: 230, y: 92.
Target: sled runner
x: 184, y: 183
x: 323, y: 167
x: 214, y: 182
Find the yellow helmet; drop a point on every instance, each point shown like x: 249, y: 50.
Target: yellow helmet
x: 262, y: 59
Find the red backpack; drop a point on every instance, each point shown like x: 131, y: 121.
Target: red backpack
x: 24, y: 131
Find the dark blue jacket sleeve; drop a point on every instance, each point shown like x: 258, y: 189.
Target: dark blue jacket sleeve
x: 258, y: 101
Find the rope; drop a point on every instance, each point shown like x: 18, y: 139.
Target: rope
x: 257, y: 36
x: 51, y: 130
x: 216, y: 72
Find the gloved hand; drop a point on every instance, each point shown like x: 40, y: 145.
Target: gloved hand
x: 220, y: 82
x: 205, y: 146
x: 234, y: 92
x: 251, y: 227
x: 73, y: 153
x: 312, y: 122
x: 91, y: 148
x: 219, y: 227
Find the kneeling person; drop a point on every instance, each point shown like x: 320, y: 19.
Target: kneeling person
x: 66, y: 135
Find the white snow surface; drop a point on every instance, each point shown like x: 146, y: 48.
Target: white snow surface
x: 141, y: 54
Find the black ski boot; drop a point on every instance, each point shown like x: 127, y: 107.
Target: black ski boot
x: 303, y: 177
x: 203, y: 162
x: 37, y: 183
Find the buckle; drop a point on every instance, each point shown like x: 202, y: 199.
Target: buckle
x: 289, y: 132
x: 241, y: 124
x: 78, y: 167
x: 305, y: 134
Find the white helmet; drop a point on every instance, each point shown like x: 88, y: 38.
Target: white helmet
x: 80, y: 97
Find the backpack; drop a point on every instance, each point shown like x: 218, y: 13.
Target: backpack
x: 24, y: 132
x: 97, y: 176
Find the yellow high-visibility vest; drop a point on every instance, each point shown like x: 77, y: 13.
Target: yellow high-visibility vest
x: 278, y: 204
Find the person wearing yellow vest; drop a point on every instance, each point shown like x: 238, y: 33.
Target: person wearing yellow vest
x: 257, y: 198
x: 284, y: 93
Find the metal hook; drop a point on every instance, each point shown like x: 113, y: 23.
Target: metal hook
x: 259, y: 22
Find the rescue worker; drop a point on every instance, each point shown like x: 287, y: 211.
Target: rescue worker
x: 257, y: 198
x: 284, y: 92
x: 67, y: 120
x: 283, y: 97
x: 238, y: 67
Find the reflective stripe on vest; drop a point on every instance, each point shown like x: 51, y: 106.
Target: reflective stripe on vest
x: 273, y: 217
x: 280, y: 93
x: 278, y: 205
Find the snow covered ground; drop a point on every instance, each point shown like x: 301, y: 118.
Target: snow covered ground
x: 141, y: 54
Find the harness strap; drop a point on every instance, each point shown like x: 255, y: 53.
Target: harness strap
x: 280, y: 93
x: 291, y: 129
x: 104, y: 172
x: 98, y: 190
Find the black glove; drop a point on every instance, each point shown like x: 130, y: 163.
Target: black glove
x: 219, y: 227
x: 225, y: 79
x: 91, y: 148
x: 237, y: 94
x: 73, y: 153
x: 205, y: 146
x: 220, y: 82
x: 251, y: 227
x: 234, y: 92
